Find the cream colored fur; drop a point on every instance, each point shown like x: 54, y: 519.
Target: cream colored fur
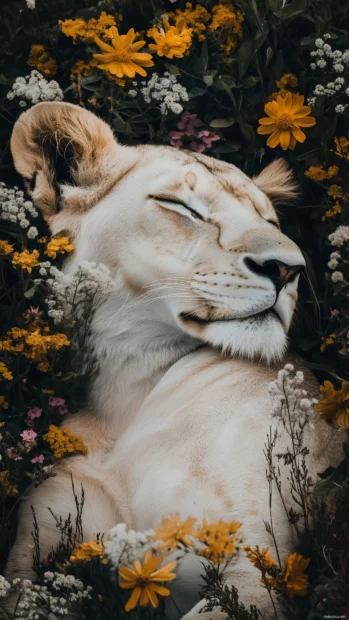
x: 187, y: 342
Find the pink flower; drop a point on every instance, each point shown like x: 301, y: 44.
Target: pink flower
x: 32, y: 311
x: 38, y: 459
x: 208, y: 136
x: 198, y: 148
x: 62, y: 410
x: 33, y: 413
x: 176, y: 139
x: 11, y: 453
x: 54, y: 401
x: 28, y: 436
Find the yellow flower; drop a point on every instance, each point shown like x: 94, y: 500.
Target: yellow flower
x: 331, y: 339
x: 5, y: 372
x: 41, y: 60
x: 196, y: 18
x: 3, y: 403
x: 5, y: 248
x: 6, y: 488
x: 174, y: 531
x: 80, y: 30
x: 228, y: 21
x: 280, y: 93
x: 332, y: 172
x: 122, y: 57
x: 342, y: 147
x: 58, y: 245
x: 335, y: 404
x: 295, y: 579
x: 87, y: 550
x: 336, y: 191
x: 318, y: 173
x: 62, y: 441
x: 171, y: 41
x: 144, y: 580
x: 219, y: 539
x: 44, y: 391
x: 335, y: 210
x: 82, y: 68
x: 260, y: 559
x: 26, y: 260
x: 285, y: 117
x: 287, y: 80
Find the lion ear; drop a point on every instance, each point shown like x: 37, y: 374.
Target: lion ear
x: 67, y: 156
x: 278, y: 183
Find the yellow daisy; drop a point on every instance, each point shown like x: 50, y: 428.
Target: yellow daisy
x: 171, y: 41
x: 174, y: 531
x: 122, y: 57
x: 144, y: 580
x: 285, y: 117
x: 295, y: 578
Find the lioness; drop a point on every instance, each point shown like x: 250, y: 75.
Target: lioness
x: 205, y: 286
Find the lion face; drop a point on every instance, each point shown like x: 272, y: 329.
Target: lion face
x: 192, y: 239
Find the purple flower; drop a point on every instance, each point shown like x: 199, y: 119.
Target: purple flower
x: 11, y: 453
x: 188, y: 123
x: 34, y: 412
x: 54, y: 401
x: 38, y: 459
x: 198, y: 148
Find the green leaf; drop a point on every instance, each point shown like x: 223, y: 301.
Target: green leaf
x: 208, y: 79
x: 336, y: 478
x: 223, y: 122
x: 274, y: 5
x: 292, y: 10
x: 247, y: 131
x: 244, y: 56
x: 308, y: 154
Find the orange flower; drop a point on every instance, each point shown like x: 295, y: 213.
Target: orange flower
x: 171, y: 41
x: 174, y: 531
x: 285, y: 117
x: 122, y: 57
x: 335, y: 404
x: 295, y: 579
x: 144, y: 580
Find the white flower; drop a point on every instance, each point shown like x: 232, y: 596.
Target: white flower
x: 165, y: 90
x: 321, y: 63
x: 125, y: 545
x: 319, y: 42
x: 339, y: 68
x: 332, y: 263
x: 313, y: 66
x: 340, y: 108
x: 31, y: 4
x: 132, y: 93
x: 34, y: 88
x: 327, y: 36
x: 337, y: 276
x: 32, y: 232
x: 5, y: 587
x: 339, y: 236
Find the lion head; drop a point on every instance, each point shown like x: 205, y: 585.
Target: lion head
x: 193, y: 239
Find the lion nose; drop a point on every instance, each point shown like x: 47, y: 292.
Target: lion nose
x: 278, y: 272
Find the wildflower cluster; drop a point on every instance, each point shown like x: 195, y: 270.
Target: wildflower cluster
x: 34, y: 88
x: 59, y: 595
x: 331, y: 62
x: 15, y: 208
x: 189, y: 136
x: 63, y: 441
x: 165, y: 90
x: 41, y: 60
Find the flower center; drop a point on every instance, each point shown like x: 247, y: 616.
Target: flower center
x: 122, y: 56
x: 284, y: 121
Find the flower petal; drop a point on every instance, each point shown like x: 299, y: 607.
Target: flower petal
x: 274, y: 139
x: 104, y: 46
x: 306, y: 121
x: 267, y: 121
x: 298, y: 134
x: 285, y: 139
x: 265, y: 130
x: 133, y: 600
x: 298, y: 102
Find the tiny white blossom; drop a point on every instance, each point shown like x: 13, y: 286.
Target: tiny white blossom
x: 337, y: 276
x: 319, y: 42
x: 31, y: 4
x: 339, y: 236
x: 32, y: 232
x: 340, y: 108
x: 339, y: 68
